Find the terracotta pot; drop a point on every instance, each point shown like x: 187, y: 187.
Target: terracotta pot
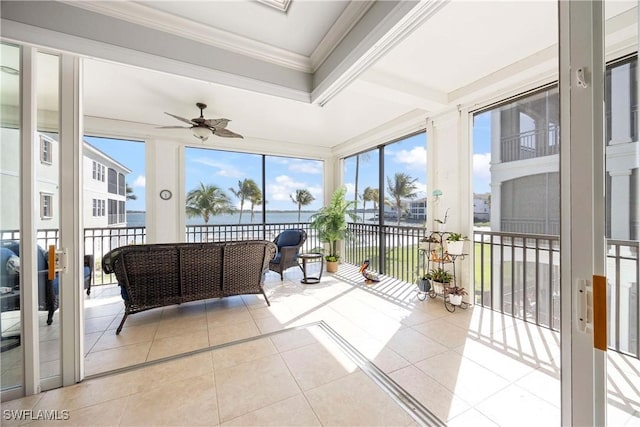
x: 332, y: 266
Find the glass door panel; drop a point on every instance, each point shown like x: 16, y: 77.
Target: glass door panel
x: 11, y: 356
x: 622, y: 226
x: 47, y: 188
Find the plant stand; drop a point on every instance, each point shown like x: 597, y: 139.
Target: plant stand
x: 434, y: 255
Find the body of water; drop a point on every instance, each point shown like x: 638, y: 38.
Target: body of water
x: 137, y: 219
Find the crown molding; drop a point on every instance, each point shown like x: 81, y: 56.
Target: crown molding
x: 279, y: 5
x: 345, y: 23
x: 162, y: 21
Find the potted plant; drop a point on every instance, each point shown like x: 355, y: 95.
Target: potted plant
x: 455, y: 295
x: 440, y: 278
x: 426, y: 242
x: 424, y: 284
x: 332, y: 226
x: 455, y: 243
x: 442, y: 223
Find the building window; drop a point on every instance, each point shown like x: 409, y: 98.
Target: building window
x: 98, y: 171
x: 121, y: 213
x: 121, y: 184
x: 46, y: 205
x: 112, y: 186
x: 98, y: 207
x: 46, y: 155
x: 112, y: 213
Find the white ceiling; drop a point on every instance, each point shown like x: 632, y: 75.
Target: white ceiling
x: 375, y: 66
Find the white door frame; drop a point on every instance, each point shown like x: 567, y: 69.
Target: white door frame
x: 583, y: 386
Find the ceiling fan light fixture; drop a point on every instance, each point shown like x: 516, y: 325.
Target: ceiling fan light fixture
x: 201, y: 132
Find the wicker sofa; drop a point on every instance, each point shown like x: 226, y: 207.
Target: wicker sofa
x: 158, y: 275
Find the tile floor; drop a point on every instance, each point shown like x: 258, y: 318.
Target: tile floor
x: 471, y: 367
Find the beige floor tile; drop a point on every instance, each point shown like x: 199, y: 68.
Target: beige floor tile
x: 170, y: 346
x: 184, y: 311
x: 224, y: 303
x: 463, y: 377
x: 143, y: 318
x: 107, y: 360
x: 104, y: 310
x: 237, y: 354
x: 253, y: 385
x: 100, y: 324
x: 187, y: 402
x: 216, y: 318
x: 543, y: 384
x: 294, y: 411
x: 157, y: 375
x: 90, y: 340
x: 494, y: 358
x: 232, y: 332
x: 270, y: 325
x: 129, y: 336
x: 471, y: 417
x: 24, y: 403
x: 292, y: 339
x: 176, y: 326
x: 314, y: 365
x: 515, y: 403
x: 355, y: 400
x: 433, y: 395
x: 103, y: 414
x: 443, y: 332
x: 413, y: 346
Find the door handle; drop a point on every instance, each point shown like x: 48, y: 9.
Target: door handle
x: 57, y: 261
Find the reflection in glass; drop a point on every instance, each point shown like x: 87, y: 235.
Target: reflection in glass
x: 11, y: 357
x: 47, y: 169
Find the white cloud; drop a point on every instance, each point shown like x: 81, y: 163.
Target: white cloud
x: 306, y: 166
x: 414, y: 158
x: 283, y: 186
x: 223, y: 169
x: 481, y: 164
x: 140, y: 181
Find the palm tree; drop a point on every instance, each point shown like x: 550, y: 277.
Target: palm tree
x: 245, y: 188
x: 369, y: 195
x: 207, y: 200
x: 302, y: 198
x: 401, y: 187
x: 129, y: 192
x: 255, y: 196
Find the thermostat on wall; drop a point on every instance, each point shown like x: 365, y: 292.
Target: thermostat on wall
x: 165, y: 194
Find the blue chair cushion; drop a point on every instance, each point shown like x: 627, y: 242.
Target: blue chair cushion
x: 288, y: 238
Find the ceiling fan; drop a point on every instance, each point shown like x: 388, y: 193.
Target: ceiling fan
x: 202, y: 127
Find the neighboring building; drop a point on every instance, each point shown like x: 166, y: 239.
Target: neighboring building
x: 481, y: 207
x: 103, y: 182
x: 418, y: 209
x: 105, y: 193
x: 525, y: 142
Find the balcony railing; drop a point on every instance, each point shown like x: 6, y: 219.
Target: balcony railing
x: 515, y: 273
x: 519, y: 275
x: 530, y: 144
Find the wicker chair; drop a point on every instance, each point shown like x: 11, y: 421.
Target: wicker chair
x: 289, y: 243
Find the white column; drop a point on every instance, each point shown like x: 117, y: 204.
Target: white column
x: 620, y: 204
x: 494, y: 207
x: 496, y: 149
x: 620, y: 104
x: 165, y: 171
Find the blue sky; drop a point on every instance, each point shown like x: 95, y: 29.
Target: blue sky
x: 285, y: 175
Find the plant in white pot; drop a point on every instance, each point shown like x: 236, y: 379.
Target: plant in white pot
x: 455, y: 295
x: 440, y: 279
x: 332, y: 226
x: 455, y: 243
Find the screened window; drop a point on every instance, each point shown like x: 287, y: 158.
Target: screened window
x: 121, y: 184
x: 112, y: 176
x: 46, y: 205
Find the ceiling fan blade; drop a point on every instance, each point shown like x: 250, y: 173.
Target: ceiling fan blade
x: 217, y: 123
x: 182, y: 119
x: 174, y: 127
x: 226, y: 133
